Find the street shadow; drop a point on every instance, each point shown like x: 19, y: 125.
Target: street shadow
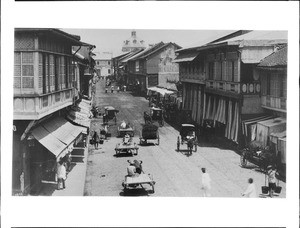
x: 124, y: 154
x: 148, y: 144
x: 185, y: 152
x: 47, y: 189
x: 136, y: 192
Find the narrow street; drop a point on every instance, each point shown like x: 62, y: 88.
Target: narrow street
x: 175, y: 173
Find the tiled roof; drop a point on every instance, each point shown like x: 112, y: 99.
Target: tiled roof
x: 276, y: 59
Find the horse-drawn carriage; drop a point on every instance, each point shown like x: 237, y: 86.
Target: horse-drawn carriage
x: 258, y: 155
x: 149, y: 132
x: 155, y: 115
x: 170, y: 111
x: 110, y: 114
x: 187, y: 136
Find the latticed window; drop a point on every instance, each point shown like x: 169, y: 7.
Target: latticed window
x: 62, y: 71
x: 24, y: 70
x: 211, y: 70
x: 52, y: 71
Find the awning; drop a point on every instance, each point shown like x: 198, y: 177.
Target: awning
x: 81, y: 114
x: 56, y: 135
x: 187, y: 57
x: 249, y: 125
x: 267, y: 127
x: 161, y: 91
x: 48, y: 140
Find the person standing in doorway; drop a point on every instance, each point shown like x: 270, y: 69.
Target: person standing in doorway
x: 61, y: 175
x: 206, y: 186
x: 251, y: 189
x: 271, y: 179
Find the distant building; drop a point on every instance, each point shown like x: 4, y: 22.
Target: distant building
x: 154, y: 67
x: 133, y: 43
x: 104, y: 65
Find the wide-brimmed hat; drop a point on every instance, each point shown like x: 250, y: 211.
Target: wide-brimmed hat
x: 269, y: 167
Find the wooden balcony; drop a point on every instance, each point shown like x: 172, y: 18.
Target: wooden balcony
x: 192, y: 78
x: 274, y: 103
x: 34, y: 107
x: 252, y: 88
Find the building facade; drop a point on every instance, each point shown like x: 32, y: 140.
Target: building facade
x: 154, y: 67
x: 220, y: 81
x: 44, y: 87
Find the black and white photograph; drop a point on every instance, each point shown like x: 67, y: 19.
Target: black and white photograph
x: 149, y: 114
x: 149, y: 118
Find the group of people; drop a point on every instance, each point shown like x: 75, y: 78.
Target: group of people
x: 251, y: 188
x: 134, y: 168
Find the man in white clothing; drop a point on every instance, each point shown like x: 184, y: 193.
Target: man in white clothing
x: 251, y: 189
x: 206, y: 183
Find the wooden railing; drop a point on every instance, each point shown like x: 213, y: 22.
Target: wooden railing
x: 276, y: 103
x: 34, y: 107
x: 234, y: 87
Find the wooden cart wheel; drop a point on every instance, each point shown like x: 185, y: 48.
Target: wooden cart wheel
x: 243, y: 160
x: 178, y: 144
x: 153, y: 190
x: 196, y: 145
x: 158, y: 138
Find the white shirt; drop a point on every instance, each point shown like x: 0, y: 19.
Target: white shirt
x: 61, y: 171
x: 250, y: 191
x: 131, y: 170
x: 206, y: 180
x: 123, y: 124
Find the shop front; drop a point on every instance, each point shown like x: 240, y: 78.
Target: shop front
x: 223, y: 115
x: 50, y: 142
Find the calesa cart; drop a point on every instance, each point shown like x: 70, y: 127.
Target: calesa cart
x: 155, y: 115
x: 149, y: 132
x: 127, y: 146
x: 110, y: 114
x: 258, y: 155
x: 187, y: 136
x: 132, y: 182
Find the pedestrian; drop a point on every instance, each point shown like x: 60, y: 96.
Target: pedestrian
x: 106, y: 89
x: 124, y: 88
x: 96, y: 139
x: 61, y: 175
x: 251, y: 189
x: 271, y: 170
x: 131, y: 170
x: 118, y: 89
x: 112, y: 89
x: 206, y: 183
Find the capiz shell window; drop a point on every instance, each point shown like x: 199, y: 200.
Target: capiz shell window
x: 24, y: 70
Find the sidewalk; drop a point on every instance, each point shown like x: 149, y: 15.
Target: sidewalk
x: 74, y: 183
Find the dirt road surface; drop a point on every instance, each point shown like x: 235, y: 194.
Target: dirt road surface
x: 175, y: 173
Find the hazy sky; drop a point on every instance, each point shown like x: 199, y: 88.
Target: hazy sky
x: 111, y: 40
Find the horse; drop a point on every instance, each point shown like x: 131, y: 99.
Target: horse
x: 147, y: 118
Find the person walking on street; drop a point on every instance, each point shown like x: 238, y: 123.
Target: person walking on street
x: 206, y: 183
x: 271, y: 179
x: 96, y: 140
x: 251, y: 189
x: 61, y: 175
